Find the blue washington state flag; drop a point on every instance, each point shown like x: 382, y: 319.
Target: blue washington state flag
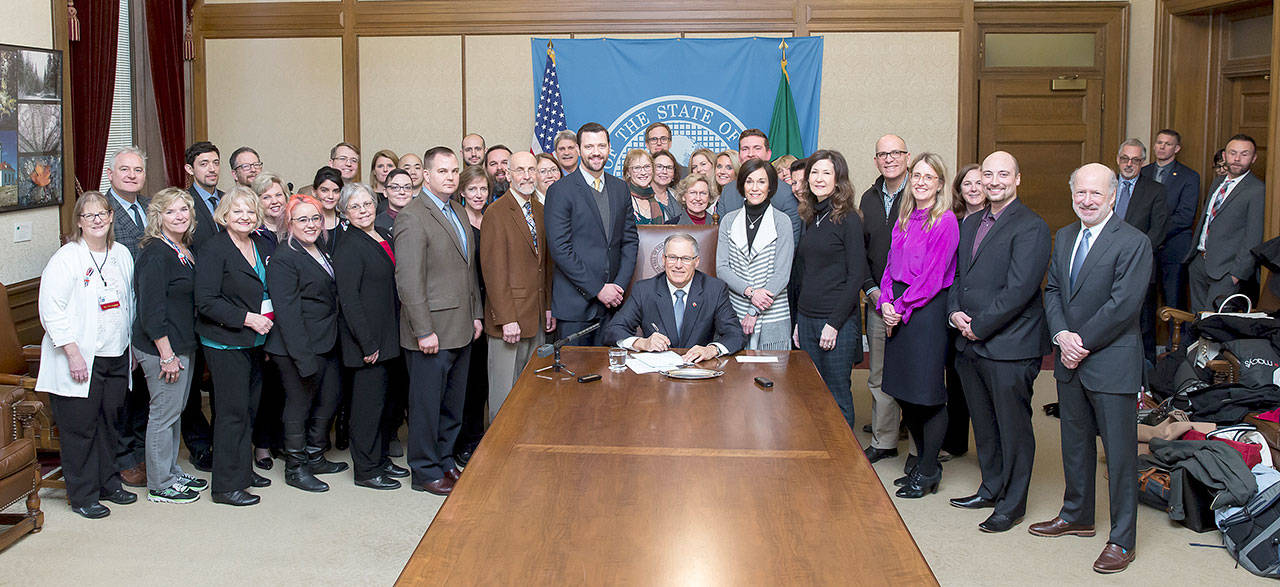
x: 706, y: 90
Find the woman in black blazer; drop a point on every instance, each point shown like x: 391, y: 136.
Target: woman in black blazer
x: 305, y: 343
x: 233, y: 318
x: 364, y: 266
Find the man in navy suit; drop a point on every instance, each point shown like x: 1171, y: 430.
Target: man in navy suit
x: 592, y: 238
x: 1182, y: 195
x: 203, y: 165
x: 682, y: 308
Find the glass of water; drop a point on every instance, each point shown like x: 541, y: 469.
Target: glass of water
x: 617, y: 360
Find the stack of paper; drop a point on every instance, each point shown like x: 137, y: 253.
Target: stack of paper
x: 654, y: 362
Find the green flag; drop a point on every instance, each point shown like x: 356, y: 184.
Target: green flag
x: 784, y: 129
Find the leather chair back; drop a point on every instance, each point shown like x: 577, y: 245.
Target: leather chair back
x: 11, y: 356
x: 649, y: 254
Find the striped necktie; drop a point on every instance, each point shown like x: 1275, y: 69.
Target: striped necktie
x: 533, y: 228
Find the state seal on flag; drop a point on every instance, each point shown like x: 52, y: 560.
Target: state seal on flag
x: 695, y: 123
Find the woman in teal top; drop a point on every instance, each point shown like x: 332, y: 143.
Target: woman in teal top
x: 233, y: 318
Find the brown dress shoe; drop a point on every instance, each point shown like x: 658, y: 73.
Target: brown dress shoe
x: 1060, y: 527
x: 453, y: 473
x: 135, y: 476
x: 441, y: 486
x: 1113, y: 559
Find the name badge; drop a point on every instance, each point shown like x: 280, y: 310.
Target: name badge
x: 108, y: 300
x: 268, y: 310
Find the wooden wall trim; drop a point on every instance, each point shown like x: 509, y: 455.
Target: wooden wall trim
x: 24, y: 307
x: 967, y: 125
x: 1186, y: 7
x: 350, y: 77
x: 270, y: 20
x: 62, y: 43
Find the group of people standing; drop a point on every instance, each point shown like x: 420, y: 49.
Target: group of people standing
x: 422, y: 294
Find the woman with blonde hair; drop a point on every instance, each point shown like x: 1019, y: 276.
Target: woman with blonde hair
x: 913, y: 300
x: 726, y: 171
x: 274, y: 193
x: 86, y: 308
x: 233, y: 316
x: 783, y: 166
x: 702, y: 161
x: 164, y: 338
x: 637, y: 171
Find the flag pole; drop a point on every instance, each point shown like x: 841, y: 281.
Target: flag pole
x: 783, y: 46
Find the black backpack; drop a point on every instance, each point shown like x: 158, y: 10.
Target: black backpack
x: 1252, y: 535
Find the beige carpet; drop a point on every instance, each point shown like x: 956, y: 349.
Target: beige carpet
x: 356, y: 536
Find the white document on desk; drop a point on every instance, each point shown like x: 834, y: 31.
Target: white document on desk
x: 659, y: 361
x: 638, y: 366
x: 756, y: 358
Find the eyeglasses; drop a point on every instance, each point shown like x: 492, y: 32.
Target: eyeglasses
x: 317, y: 219
x: 399, y: 187
x: 1126, y: 160
x: 94, y: 216
x: 548, y: 172
x: 664, y: 167
x: 642, y: 168
x: 658, y: 140
x: 345, y: 159
x: 895, y: 154
x: 928, y: 177
x: 249, y: 166
x: 360, y: 205
x: 679, y: 260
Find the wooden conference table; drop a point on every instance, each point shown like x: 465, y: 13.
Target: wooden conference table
x: 639, y: 479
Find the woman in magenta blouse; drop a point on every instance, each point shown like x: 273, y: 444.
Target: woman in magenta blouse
x: 913, y: 301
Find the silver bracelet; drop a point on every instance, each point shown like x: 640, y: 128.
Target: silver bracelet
x: 171, y: 359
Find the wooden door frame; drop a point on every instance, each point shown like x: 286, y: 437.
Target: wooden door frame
x: 1109, y: 19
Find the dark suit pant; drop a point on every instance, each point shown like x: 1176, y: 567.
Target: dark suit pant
x: 309, y: 402
x: 1206, y: 292
x: 956, y: 441
x: 999, y: 398
x: 1172, y: 280
x: 1086, y: 414
x: 197, y: 430
x: 268, y: 431
x: 437, y: 392
x: 567, y: 327
x: 368, y: 398
x: 474, y: 414
x: 237, y: 384
x: 836, y: 365
x: 87, y: 426
x: 393, y: 413
x: 131, y: 424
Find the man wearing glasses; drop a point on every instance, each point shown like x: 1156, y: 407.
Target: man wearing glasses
x: 345, y: 157
x: 682, y: 308
x: 1140, y: 201
x: 657, y: 138
x: 245, y: 166
x: 879, y: 207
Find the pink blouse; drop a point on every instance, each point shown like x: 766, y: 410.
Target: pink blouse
x: 924, y: 260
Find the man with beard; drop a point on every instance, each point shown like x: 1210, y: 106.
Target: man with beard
x: 472, y: 149
x: 1228, y: 229
x: 496, y: 161
x: 245, y: 166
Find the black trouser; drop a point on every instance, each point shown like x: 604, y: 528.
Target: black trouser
x: 999, y: 396
x: 1147, y: 324
x: 437, y: 389
x: 87, y: 429
x: 197, y: 432
x: 309, y: 402
x: 368, y: 398
x: 237, y: 384
x: 267, y: 429
x: 928, y: 427
x: 131, y: 425
x: 474, y: 413
x: 397, y: 400
x: 956, y: 441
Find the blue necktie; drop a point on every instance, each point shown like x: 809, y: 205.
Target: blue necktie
x: 1122, y: 203
x: 679, y: 310
x: 1082, y: 251
x: 457, y: 225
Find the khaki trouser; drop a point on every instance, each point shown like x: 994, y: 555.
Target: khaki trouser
x: 885, y: 413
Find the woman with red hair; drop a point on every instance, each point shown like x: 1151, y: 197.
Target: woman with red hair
x: 304, y: 342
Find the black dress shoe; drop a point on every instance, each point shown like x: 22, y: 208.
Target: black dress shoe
x: 903, y: 480
x: 393, y: 470
x: 264, y: 463
x: 998, y: 523
x: 238, y: 497
x: 866, y: 428
x: 93, y: 511
x: 202, y: 460
x: 379, y: 482
x: 972, y: 502
x: 878, y: 454
x: 910, y: 464
x: 919, y: 486
x: 119, y: 496
x: 259, y: 480
x: 462, y: 458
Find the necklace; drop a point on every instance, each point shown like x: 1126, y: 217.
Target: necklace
x: 821, y: 218
x: 751, y: 224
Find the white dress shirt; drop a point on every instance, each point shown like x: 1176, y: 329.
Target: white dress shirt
x: 629, y: 342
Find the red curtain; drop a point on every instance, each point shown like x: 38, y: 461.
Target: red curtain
x: 164, y: 39
x: 93, y: 78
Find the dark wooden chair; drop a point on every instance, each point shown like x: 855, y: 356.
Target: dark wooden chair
x: 19, y: 471
x: 18, y: 367
x: 1225, y: 368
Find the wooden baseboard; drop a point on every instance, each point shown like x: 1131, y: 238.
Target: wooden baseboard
x: 24, y: 307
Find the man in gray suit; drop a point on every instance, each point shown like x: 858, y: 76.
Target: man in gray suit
x: 439, y: 317
x: 1231, y: 225
x: 1098, y: 277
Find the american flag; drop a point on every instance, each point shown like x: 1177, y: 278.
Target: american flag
x: 548, y: 118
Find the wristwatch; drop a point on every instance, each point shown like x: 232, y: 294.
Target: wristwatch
x: 754, y: 311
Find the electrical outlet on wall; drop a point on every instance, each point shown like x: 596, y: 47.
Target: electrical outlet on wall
x: 21, y: 232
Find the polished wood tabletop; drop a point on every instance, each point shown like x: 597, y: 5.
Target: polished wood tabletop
x: 641, y: 479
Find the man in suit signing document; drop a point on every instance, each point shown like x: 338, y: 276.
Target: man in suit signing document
x: 682, y: 308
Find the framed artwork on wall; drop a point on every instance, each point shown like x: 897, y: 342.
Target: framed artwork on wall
x: 30, y: 127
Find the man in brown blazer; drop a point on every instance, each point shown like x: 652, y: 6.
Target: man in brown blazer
x: 439, y: 317
x: 517, y: 270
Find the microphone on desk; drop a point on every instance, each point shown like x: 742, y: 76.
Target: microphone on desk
x: 546, y: 350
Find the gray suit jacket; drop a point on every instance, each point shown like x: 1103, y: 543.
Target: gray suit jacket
x: 1103, y: 305
x: 1236, y: 229
x: 128, y: 233
x: 435, y: 276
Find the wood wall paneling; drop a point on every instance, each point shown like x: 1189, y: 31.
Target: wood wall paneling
x: 24, y: 307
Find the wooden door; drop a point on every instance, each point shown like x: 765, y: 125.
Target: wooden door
x: 1245, y: 110
x: 1049, y: 132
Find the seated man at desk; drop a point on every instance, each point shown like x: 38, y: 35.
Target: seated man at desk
x: 682, y: 308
